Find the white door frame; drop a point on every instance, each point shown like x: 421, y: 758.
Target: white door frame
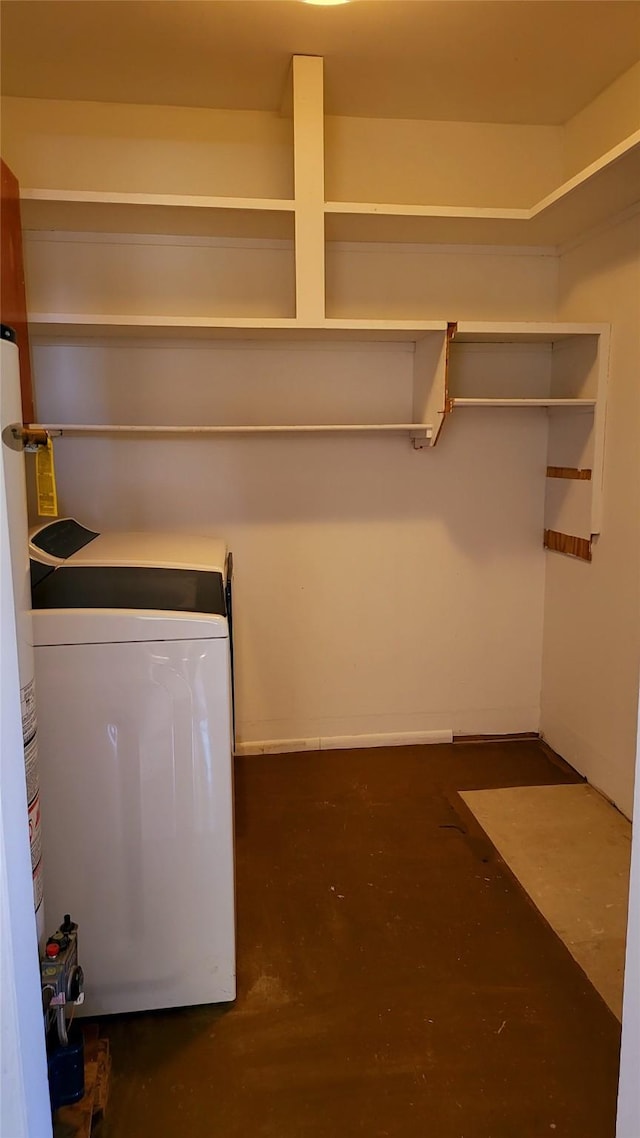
x: 24, y: 1089
x: 629, y: 1088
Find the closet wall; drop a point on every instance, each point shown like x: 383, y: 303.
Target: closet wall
x: 147, y: 149
x: 592, y: 612
x: 379, y: 589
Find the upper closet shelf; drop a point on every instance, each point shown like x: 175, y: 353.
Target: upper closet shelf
x: 56, y: 325
x: 198, y: 216
x: 600, y: 191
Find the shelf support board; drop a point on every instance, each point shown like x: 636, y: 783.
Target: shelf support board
x: 308, y: 135
x: 565, y: 543
x: 568, y: 472
x: 431, y: 402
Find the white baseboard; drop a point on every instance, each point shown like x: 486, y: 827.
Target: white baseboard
x: 388, y: 739
x: 343, y: 742
x: 276, y: 746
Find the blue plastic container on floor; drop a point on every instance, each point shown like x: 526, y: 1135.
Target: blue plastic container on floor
x: 66, y: 1071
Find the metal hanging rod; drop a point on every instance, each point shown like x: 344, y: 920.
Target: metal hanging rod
x: 56, y: 430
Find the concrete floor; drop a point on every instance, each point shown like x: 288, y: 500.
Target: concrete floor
x: 571, y: 850
x: 394, y: 979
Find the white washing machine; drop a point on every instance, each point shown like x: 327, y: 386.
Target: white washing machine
x: 133, y: 675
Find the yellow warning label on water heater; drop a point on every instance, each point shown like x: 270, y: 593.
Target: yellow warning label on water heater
x: 46, y: 482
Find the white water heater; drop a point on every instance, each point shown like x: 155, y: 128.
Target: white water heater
x: 16, y: 497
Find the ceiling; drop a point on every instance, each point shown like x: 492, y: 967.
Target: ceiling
x: 524, y: 61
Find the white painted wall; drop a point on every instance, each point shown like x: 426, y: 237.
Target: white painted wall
x: 159, y: 275
x: 603, y: 123
x: 378, y: 589
x: 62, y: 144
x: 65, y: 144
x: 592, y: 613
x: 440, y: 163
x: 172, y: 276
x: 439, y: 282
x: 103, y: 146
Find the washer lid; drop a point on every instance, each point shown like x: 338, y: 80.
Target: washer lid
x: 131, y: 587
x: 163, y: 550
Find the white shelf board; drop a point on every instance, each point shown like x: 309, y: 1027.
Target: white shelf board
x: 93, y: 212
x: 55, y: 325
x: 601, y: 190
x: 522, y: 332
x: 60, y: 325
x: 421, y: 430
x: 334, y: 327
x: 577, y: 404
